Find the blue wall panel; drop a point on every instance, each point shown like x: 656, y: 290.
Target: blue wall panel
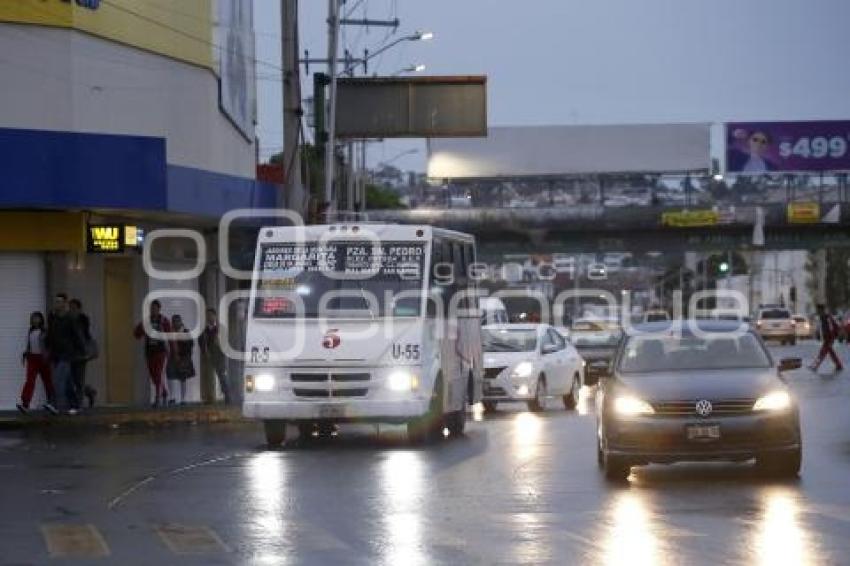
x: 72, y: 170
x: 43, y: 169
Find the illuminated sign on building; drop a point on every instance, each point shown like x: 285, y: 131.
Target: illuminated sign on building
x: 112, y: 238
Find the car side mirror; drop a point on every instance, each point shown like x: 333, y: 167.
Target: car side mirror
x: 787, y: 364
x: 550, y: 348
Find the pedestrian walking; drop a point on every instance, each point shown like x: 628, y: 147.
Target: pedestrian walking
x: 180, y: 366
x: 36, y: 364
x: 156, y: 351
x: 78, y: 366
x: 829, y: 331
x: 214, y: 360
x: 65, y: 344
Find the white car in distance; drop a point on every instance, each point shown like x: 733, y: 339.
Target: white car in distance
x: 531, y: 363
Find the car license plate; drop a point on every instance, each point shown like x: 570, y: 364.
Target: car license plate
x: 331, y: 411
x: 703, y: 432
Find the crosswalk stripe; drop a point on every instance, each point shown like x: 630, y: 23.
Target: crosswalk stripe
x: 74, y: 541
x: 190, y: 539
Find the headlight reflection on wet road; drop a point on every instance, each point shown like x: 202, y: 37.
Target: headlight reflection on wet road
x: 780, y: 538
x: 266, y: 509
x: 632, y: 536
x: 402, y: 492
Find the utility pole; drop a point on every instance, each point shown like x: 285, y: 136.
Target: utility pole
x: 292, y: 195
x: 330, y: 147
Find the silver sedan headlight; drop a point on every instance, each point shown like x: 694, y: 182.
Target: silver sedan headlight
x: 523, y: 369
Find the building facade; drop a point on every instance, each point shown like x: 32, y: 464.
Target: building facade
x: 123, y: 115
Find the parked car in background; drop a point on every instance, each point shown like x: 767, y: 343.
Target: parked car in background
x: 529, y: 362
x: 493, y: 311
x: 775, y: 323
x: 596, y: 341
x: 802, y: 327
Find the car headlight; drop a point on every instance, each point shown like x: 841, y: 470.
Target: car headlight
x: 402, y: 381
x: 631, y: 406
x: 264, y: 382
x: 773, y: 401
x: 523, y: 369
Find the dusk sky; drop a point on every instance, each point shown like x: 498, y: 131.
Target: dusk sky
x: 600, y: 62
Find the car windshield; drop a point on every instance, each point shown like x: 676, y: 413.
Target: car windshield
x: 509, y: 340
x: 653, y: 353
x: 656, y: 317
x: 775, y: 314
x: 595, y: 339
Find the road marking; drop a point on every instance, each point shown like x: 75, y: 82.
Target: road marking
x: 74, y: 541
x: 190, y: 539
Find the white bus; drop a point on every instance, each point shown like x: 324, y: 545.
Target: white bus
x: 357, y: 323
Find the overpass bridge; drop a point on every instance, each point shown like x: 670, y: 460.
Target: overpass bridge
x: 596, y: 228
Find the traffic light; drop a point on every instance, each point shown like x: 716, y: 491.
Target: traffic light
x: 792, y: 294
x: 724, y: 267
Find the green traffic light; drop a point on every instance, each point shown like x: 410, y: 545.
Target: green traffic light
x: 724, y: 267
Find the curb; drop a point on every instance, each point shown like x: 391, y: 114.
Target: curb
x: 152, y: 418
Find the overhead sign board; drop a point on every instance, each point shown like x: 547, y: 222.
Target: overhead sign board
x: 412, y: 107
x: 762, y: 147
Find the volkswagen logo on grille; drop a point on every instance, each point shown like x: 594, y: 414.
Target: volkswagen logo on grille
x: 703, y: 408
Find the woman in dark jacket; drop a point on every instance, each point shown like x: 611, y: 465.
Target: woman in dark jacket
x: 180, y: 366
x: 36, y: 363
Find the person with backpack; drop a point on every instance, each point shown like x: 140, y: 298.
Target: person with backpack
x: 65, y: 345
x: 156, y: 351
x: 35, y: 361
x: 829, y: 331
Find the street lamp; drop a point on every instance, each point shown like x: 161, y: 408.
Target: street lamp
x: 411, y: 69
x: 416, y: 36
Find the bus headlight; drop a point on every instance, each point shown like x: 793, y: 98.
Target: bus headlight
x: 402, y: 380
x: 773, y: 401
x: 523, y: 369
x: 264, y: 382
x: 631, y: 406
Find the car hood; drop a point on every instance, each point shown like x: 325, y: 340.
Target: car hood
x: 506, y: 359
x: 701, y: 384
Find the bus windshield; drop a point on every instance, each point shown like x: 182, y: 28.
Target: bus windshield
x: 339, y: 279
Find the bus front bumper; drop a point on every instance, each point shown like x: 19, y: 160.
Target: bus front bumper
x: 364, y: 410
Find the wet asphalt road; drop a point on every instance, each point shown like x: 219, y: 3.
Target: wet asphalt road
x: 520, y: 488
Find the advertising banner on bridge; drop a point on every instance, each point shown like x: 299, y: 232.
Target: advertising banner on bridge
x: 803, y: 213
x: 690, y: 218
x: 763, y: 147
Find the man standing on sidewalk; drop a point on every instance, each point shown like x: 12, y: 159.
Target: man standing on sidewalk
x: 213, y: 359
x: 829, y: 331
x: 65, y: 345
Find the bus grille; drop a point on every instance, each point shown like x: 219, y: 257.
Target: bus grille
x: 324, y: 385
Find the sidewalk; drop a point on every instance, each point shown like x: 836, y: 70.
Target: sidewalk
x: 123, y: 417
